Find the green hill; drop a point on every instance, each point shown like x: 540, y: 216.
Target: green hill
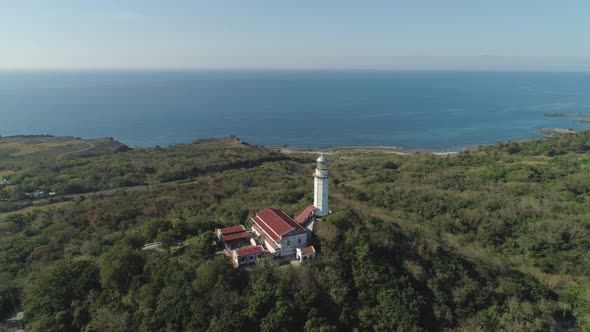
x: 496, y: 238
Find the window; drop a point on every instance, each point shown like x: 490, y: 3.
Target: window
x: 299, y: 240
x: 251, y: 258
x: 288, y: 243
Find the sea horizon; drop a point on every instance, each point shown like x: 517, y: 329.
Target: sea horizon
x: 434, y: 110
x: 581, y: 71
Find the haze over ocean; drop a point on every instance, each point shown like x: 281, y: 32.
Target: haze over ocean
x: 435, y: 110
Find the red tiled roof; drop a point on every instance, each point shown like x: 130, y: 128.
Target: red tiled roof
x: 251, y: 250
x: 308, y: 250
x: 235, y: 236
x: 232, y: 229
x: 303, y: 216
x: 276, y: 223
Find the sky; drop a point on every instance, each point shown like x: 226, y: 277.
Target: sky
x: 303, y: 34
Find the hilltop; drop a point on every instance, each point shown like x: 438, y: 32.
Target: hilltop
x: 47, y: 146
x: 495, y: 238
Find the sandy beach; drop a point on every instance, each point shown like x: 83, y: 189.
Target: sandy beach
x: 358, y: 149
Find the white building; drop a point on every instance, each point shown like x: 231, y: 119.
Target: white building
x: 247, y: 255
x: 320, y: 207
x: 306, y: 253
x: 320, y: 197
x: 280, y: 234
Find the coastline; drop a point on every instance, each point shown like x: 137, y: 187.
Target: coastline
x: 419, y: 114
x: 547, y: 132
x: 360, y: 148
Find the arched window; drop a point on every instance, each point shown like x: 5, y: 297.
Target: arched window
x: 299, y: 240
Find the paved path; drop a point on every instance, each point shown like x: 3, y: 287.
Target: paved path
x: 151, y: 246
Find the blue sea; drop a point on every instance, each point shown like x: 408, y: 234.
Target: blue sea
x: 413, y: 110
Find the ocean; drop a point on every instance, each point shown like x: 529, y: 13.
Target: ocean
x: 414, y: 110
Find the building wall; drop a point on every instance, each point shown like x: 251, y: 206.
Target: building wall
x: 304, y: 257
x: 309, y: 228
x: 248, y: 259
x: 290, y: 243
x: 320, y: 199
x: 287, y: 245
x: 268, y: 246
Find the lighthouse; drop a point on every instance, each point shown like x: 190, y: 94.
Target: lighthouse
x: 320, y: 195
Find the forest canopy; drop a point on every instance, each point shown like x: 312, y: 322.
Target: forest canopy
x: 488, y: 239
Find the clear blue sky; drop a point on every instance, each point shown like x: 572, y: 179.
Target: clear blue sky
x: 418, y: 34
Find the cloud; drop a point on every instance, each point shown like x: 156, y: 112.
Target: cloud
x: 124, y: 16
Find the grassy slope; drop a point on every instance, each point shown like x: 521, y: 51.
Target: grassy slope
x: 53, y: 147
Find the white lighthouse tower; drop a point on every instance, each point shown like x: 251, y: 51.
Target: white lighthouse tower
x: 320, y: 195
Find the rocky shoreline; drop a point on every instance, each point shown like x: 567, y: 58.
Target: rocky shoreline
x: 556, y: 131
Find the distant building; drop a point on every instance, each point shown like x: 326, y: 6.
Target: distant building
x: 247, y: 255
x: 224, y: 232
x: 35, y: 194
x: 233, y: 237
x: 306, y: 253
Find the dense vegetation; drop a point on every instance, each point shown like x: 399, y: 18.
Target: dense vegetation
x: 73, y: 166
x: 491, y: 239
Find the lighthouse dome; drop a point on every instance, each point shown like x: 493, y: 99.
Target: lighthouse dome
x: 322, y: 165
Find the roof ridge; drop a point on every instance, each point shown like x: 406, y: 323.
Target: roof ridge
x: 267, y: 225
x: 279, y: 214
x: 279, y: 224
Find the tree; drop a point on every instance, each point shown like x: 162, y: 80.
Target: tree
x: 280, y: 318
x: 317, y: 324
x: 152, y: 227
x: 201, y: 246
x: 118, y: 266
x: 167, y: 238
x: 49, y: 297
x: 572, y: 298
x: 395, y: 311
